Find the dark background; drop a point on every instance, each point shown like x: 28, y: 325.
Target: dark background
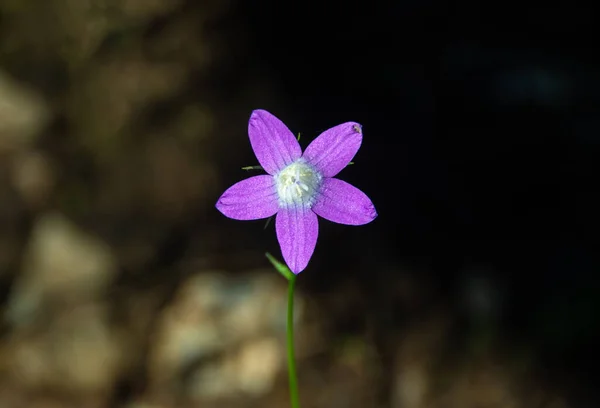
x: 481, y: 126
x: 479, y: 146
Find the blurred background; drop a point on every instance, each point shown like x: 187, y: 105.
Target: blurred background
x: 122, y: 122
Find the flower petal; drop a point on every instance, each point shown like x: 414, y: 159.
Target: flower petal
x: 250, y: 199
x: 297, y: 231
x: 343, y: 203
x: 333, y: 149
x: 273, y: 143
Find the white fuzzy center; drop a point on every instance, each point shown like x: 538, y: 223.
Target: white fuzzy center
x: 298, y: 184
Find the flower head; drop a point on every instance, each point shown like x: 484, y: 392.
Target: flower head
x: 298, y: 186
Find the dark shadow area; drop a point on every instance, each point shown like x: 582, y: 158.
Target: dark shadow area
x: 481, y: 139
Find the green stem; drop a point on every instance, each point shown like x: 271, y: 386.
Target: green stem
x: 295, y: 400
x: 291, y: 278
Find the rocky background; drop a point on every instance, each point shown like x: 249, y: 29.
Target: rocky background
x: 122, y: 121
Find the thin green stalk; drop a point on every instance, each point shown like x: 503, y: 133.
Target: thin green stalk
x: 291, y: 278
x: 295, y: 400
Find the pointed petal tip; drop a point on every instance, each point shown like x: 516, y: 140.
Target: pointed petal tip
x: 297, y: 232
x: 297, y: 265
x: 369, y: 215
x: 273, y: 143
x: 372, y: 212
x: 333, y: 149
x: 221, y: 205
x: 296, y: 270
x: 343, y: 203
x: 260, y: 112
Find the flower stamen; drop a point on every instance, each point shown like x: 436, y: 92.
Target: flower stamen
x: 298, y: 185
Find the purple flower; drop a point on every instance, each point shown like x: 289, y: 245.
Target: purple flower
x: 299, y: 186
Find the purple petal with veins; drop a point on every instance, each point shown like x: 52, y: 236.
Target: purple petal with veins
x: 333, y: 149
x: 297, y: 232
x: 250, y: 199
x: 343, y: 203
x: 273, y: 143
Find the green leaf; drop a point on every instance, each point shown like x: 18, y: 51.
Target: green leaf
x: 281, y: 267
x: 252, y: 168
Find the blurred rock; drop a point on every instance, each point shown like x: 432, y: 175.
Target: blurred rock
x: 250, y: 370
x: 62, y: 265
x: 77, y: 353
x: 421, y: 347
x: 483, y: 384
x: 74, y: 30
x: 12, y: 216
x: 112, y: 92
x: 33, y: 175
x: 141, y: 108
x: 142, y: 404
x: 226, y: 332
x: 146, y: 9
x: 176, y: 183
x: 432, y: 370
x: 193, y: 124
x: 23, y: 114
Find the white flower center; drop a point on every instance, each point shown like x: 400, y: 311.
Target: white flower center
x: 298, y: 184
